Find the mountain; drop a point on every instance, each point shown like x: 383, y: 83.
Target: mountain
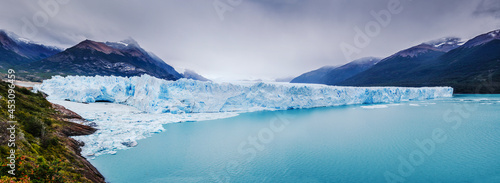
x: 189, y: 74
x: 333, y: 75
x: 316, y: 76
x: 402, y: 64
x: 483, y: 39
x: 348, y: 70
x: 89, y: 58
x: 470, y: 67
x: 15, y: 50
x: 131, y: 45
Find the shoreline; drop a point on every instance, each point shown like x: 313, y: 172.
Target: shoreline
x: 41, y: 143
x: 74, y: 129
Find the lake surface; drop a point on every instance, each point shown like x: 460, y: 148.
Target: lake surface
x: 444, y: 140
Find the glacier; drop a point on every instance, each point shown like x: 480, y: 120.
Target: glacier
x: 121, y: 126
x: 139, y: 106
x: 154, y: 95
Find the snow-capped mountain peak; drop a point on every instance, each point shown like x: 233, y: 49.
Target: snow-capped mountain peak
x: 483, y: 38
x: 25, y: 41
x: 494, y: 34
x: 18, y: 39
x: 446, y: 42
x: 18, y: 50
x: 124, y: 44
x: 190, y: 74
x: 440, y: 45
x: 97, y: 46
x: 130, y: 42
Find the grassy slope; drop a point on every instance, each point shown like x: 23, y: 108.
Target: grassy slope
x: 44, y: 152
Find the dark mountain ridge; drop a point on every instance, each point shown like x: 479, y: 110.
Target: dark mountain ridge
x: 316, y: 76
x: 473, y: 67
x: 15, y: 50
x: 90, y: 58
x: 332, y: 75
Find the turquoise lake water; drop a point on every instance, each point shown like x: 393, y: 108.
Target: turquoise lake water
x: 445, y: 140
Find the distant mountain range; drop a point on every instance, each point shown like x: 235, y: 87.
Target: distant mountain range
x: 317, y: 76
x: 391, y: 70
x: 15, y: 50
x: 468, y: 67
x: 35, y: 62
x: 332, y: 75
x: 190, y: 74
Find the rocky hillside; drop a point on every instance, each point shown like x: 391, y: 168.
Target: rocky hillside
x: 90, y: 58
x: 44, y: 152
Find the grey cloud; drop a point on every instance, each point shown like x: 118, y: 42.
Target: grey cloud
x: 488, y: 8
x: 259, y: 38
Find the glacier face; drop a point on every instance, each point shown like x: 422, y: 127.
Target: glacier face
x: 151, y: 102
x: 154, y: 95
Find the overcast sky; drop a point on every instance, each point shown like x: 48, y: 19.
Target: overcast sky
x: 254, y: 39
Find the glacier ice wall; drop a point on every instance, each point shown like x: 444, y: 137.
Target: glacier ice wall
x: 155, y: 95
x: 119, y: 126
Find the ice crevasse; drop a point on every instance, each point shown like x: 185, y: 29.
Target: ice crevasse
x: 154, y: 95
